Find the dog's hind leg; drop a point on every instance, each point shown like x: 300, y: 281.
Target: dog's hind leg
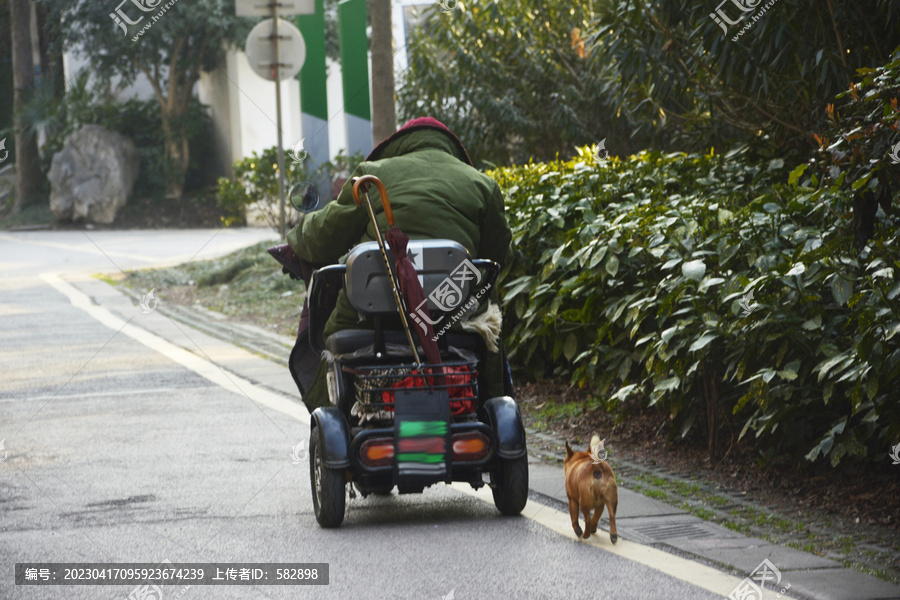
x: 587, y: 521
x: 573, y: 512
x: 598, y: 512
x: 611, y: 507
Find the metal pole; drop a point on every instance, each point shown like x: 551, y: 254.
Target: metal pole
x: 277, y: 71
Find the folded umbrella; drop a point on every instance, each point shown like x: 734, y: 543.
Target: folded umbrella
x: 412, y: 291
x: 403, y: 270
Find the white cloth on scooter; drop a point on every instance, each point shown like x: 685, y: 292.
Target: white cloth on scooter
x: 488, y: 324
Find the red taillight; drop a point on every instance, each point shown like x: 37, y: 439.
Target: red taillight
x: 470, y: 446
x: 377, y: 452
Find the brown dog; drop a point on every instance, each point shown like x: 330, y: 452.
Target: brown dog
x: 591, y: 485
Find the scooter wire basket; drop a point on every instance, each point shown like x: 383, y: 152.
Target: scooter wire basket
x: 375, y: 386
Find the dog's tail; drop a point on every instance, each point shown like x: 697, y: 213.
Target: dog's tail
x: 597, y: 450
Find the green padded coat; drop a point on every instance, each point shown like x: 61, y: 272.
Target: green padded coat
x: 433, y: 194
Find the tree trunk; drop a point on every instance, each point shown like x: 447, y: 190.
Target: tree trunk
x: 711, y: 394
x: 51, y: 59
x: 177, y: 148
x: 384, y: 116
x: 28, y: 167
x: 174, y: 104
x: 177, y: 158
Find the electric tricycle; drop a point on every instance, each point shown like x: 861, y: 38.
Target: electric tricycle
x: 406, y: 410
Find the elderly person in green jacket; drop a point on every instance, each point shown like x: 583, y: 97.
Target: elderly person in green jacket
x: 435, y: 192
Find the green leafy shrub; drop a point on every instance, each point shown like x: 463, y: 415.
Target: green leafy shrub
x: 684, y: 77
x: 857, y: 175
x: 137, y: 119
x: 860, y: 148
x: 514, y: 80
x: 256, y: 180
x: 140, y: 120
x: 529, y: 78
x: 635, y: 278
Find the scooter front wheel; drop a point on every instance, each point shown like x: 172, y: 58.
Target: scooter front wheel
x: 329, y: 500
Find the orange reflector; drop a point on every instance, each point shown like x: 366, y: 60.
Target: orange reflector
x: 470, y: 446
x: 377, y: 452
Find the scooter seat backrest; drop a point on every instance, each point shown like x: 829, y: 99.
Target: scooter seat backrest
x: 445, y: 271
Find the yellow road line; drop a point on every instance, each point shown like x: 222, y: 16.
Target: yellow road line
x: 695, y: 573
x: 197, y: 364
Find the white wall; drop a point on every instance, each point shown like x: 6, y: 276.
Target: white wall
x: 256, y: 110
x: 337, y: 128
x: 141, y: 88
x: 213, y: 91
x: 400, y: 26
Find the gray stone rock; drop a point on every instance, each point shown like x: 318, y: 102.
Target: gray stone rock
x: 93, y: 175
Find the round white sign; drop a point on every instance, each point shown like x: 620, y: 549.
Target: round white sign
x: 260, y: 50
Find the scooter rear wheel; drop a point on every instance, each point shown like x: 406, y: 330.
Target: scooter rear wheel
x: 329, y: 500
x: 509, y: 484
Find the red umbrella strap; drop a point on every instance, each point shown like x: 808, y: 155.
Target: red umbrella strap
x: 361, y: 183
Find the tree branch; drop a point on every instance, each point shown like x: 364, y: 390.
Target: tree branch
x: 676, y: 42
x: 840, y: 44
x: 868, y: 25
x: 153, y: 79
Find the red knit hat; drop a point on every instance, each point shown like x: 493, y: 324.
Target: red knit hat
x: 416, y: 125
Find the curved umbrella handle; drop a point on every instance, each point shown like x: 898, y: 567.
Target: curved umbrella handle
x: 360, y: 183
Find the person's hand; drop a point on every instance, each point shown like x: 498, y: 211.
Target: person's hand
x: 289, y: 272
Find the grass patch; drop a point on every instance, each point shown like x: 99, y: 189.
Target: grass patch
x: 557, y: 411
x: 739, y: 527
x: 685, y: 489
x: 716, y: 500
x: 704, y: 514
x: 247, y: 285
x: 784, y: 525
x: 657, y: 494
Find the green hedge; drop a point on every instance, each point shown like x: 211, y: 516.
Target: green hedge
x: 633, y: 278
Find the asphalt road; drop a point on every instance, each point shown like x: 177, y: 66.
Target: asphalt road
x: 114, y: 452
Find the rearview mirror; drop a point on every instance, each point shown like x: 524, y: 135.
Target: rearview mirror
x: 305, y: 197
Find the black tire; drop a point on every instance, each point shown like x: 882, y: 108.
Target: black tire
x: 510, y: 479
x: 329, y: 500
